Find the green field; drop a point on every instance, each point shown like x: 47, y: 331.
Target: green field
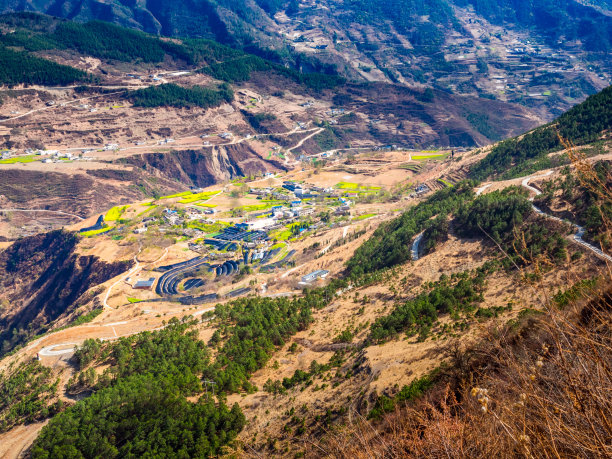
x: 349, y: 186
x: 115, y: 213
x: 20, y: 159
x: 256, y: 207
x: 96, y: 232
x: 281, y: 235
x: 148, y: 209
x: 363, y: 217
x: 426, y: 157
x: 213, y: 228
x: 178, y: 195
x: 134, y: 300
x: 445, y: 182
x: 411, y: 167
x: 198, y: 197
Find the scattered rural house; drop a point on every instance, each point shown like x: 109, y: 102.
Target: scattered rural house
x: 193, y: 216
x: 140, y: 230
x: 421, y: 189
x: 144, y: 284
x: 313, y: 276
x: 174, y: 220
x: 343, y: 210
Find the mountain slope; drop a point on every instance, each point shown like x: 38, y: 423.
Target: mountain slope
x: 44, y: 279
x: 543, y: 54
x: 583, y: 124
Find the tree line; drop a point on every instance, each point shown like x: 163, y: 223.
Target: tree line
x: 139, y: 403
x: 507, y: 217
x: 241, y: 68
x: 19, y: 67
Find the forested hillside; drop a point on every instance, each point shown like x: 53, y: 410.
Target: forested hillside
x: 494, y: 216
x: 21, y: 67
x: 583, y: 124
x: 34, y: 32
x: 245, y: 23
x: 31, y: 32
x: 241, y: 68
x: 390, y: 243
x: 222, y: 20
x: 139, y: 404
x: 172, y: 95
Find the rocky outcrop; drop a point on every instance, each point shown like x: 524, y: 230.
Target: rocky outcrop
x: 203, y: 167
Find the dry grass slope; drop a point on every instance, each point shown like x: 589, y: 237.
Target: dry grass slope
x: 539, y: 386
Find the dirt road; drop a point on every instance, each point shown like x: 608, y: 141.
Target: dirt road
x: 59, y: 212
x: 579, y: 229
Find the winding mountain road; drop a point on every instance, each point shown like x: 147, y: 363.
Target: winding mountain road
x: 36, y: 110
x: 59, y: 212
x: 579, y: 229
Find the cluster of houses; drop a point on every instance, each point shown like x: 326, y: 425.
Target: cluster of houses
x: 52, y: 155
x: 297, y: 189
x: 337, y: 111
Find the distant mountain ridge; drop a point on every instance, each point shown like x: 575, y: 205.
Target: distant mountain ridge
x: 251, y: 21
x: 186, y: 18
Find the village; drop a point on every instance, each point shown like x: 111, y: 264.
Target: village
x: 228, y: 245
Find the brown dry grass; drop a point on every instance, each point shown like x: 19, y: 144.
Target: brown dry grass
x: 542, y: 389
x: 538, y: 387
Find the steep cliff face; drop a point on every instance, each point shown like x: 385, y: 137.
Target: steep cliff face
x: 203, y: 167
x: 42, y: 279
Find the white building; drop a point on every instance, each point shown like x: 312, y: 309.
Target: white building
x: 261, y: 223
